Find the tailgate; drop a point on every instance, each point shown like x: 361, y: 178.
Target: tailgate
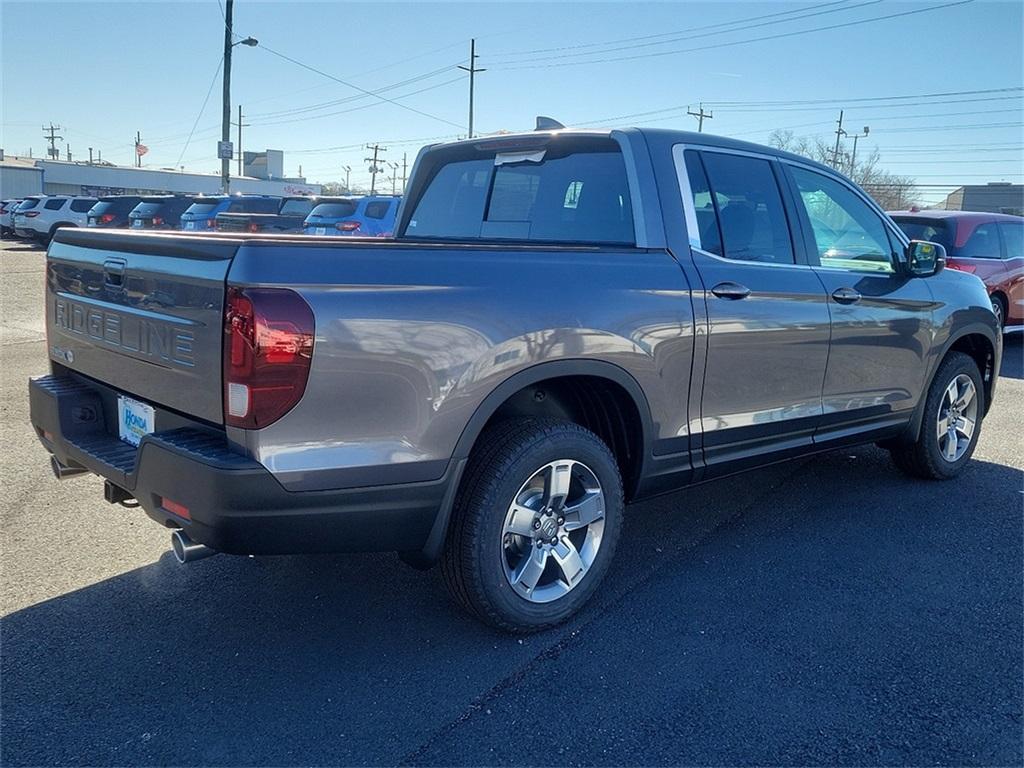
x: 142, y: 313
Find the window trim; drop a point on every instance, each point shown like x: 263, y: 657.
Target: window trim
x: 814, y: 259
x: 793, y: 223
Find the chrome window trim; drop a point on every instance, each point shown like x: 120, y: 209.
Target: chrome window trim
x: 725, y: 260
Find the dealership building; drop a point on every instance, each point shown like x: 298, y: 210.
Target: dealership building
x: 22, y: 176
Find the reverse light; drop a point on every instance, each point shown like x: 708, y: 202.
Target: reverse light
x: 268, y: 349
x: 347, y: 226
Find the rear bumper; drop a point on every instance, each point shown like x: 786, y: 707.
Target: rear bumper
x: 235, y: 504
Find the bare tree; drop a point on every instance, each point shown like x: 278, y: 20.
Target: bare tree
x: 890, y: 191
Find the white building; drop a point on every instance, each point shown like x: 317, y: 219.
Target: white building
x: 21, y: 176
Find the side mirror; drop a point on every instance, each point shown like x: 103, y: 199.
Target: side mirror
x: 925, y: 259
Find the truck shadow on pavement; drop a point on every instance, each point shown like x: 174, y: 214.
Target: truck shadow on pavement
x: 358, y: 659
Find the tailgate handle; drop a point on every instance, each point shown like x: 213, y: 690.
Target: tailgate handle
x: 113, y: 273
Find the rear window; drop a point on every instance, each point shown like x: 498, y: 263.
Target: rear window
x: 29, y: 204
x: 146, y: 209
x: 557, y: 195
x: 296, y: 207
x: 254, y: 205
x: 115, y: 205
x: 202, y: 208
x: 335, y: 210
x: 82, y: 205
x: 929, y: 230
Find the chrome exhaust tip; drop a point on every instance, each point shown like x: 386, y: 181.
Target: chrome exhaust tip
x: 188, y: 551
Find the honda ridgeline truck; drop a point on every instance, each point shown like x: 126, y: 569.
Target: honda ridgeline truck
x: 565, y: 322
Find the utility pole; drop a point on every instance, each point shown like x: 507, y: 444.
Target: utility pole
x: 853, y: 157
x: 394, y: 178
x: 67, y: 148
x: 90, y: 155
x: 225, y: 127
x: 404, y: 175
x: 472, y: 69
x: 238, y: 149
x: 50, y: 134
x: 701, y: 116
x: 138, y: 157
x: 839, y: 134
x: 348, y: 170
x: 374, y: 169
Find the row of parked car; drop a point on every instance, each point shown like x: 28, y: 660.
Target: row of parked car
x: 38, y: 217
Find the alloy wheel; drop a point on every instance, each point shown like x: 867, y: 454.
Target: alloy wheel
x: 957, y: 418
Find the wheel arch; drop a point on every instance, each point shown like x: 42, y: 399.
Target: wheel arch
x: 505, y: 393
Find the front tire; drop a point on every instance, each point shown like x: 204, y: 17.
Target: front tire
x: 951, y: 426
x: 535, y: 524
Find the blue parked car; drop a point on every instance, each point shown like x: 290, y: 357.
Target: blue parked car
x: 354, y: 216
x: 202, y: 214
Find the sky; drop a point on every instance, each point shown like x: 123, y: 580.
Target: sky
x: 103, y: 71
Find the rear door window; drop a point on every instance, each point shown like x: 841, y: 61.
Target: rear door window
x: 554, y: 195
x: 751, y: 217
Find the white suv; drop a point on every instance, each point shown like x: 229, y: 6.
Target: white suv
x: 56, y: 212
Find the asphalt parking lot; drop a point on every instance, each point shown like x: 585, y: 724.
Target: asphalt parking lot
x: 825, y: 611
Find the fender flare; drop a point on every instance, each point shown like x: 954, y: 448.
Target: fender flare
x: 535, y: 374
x: 974, y: 329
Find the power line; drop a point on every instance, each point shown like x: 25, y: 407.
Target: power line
x: 356, y: 87
x: 662, y: 34
x: 703, y: 34
x: 213, y: 81
x: 865, y: 98
x: 714, y: 46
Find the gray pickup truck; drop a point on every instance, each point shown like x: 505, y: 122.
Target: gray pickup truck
x: 566, y: 322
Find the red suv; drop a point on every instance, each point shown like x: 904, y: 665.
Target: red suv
x: 989, y: 245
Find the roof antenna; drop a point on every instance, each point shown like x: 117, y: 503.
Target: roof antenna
x: 547, y: 124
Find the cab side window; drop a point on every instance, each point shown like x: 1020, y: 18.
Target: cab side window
x: 751, y: 218
x: 848, y: 234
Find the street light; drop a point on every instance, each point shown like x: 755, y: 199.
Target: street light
x: 853, y: 157
x: 225, y: 132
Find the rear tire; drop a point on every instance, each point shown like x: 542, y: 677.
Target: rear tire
x: 520, y: 524
x: 951, y: 425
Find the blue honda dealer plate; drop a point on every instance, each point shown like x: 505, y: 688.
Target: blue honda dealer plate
x: 134, y: 419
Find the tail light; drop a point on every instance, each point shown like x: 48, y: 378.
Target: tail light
x: 210, y: 223
x: 31, y: 214
x: 347, y: 226
x: 268, y: 348
x: 157, y: 221
x: 106, y: 218
x: 254, y: 227
x: 961, y: 267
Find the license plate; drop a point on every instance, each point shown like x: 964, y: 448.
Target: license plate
x: 134, y: 419
x: 190, y: 225
x: 137, y: 223
x: 92, y: 222
x: 321, y: 230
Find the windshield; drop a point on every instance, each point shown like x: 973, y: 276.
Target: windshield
x: 335, y: 210
x: 929, y: 230
x: 296, y: 207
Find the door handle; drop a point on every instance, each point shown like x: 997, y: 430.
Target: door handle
x: 845, y: 296
x: 731, y: 290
